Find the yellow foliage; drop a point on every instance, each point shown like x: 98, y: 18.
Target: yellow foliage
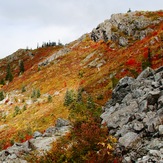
x: 109, y: 147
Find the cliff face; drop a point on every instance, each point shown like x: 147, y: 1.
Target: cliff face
x: 135, y: 116
x: 126, y: 28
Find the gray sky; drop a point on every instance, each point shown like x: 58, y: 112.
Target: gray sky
x: 24, y: 23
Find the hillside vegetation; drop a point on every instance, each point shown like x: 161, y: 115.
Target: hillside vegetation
x: 34, y: 99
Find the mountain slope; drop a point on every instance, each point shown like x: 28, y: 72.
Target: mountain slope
x: 95, y: 62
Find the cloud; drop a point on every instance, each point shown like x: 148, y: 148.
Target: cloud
x: 27, y: 22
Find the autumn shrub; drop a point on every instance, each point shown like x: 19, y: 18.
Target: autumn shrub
x: 87, y: 140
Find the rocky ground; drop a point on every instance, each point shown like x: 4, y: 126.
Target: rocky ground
x: 122, y: 28
x: 135, y: 116
x: 40, y: 143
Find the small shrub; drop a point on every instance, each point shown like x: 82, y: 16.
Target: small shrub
x: 23, y: 89
x: 33, y: 93
x: 81, y: 73
x: 16, y: 111
x: 24, y: 108
x: 49, y: 98
x: 79, y: 95
x: 100, y: 97
x: 38, y: 93
x: 90, y: 103
x: 114, y: 81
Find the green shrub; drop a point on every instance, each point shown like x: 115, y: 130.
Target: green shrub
x: 36, y: 93
x: 23, y: 89
x: 49, y: 98
x: 100, y: 97
x: 69, y: 97
x: 16, y: 111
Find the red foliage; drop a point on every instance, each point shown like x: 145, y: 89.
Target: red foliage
x: 131, y: 62
x: 27, y: 137
x: 6, y: 145
x: 6, y: 101
x: 145, y: 55
x: 154, y: 33
x: 65, y: 84
x: 82, y: 82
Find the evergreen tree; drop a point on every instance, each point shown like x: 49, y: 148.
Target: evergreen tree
x: 2, y: 82
x: 1, y: 96
x: 9, y: 75
x: 21, y: 66
x: 69, y: 97
x: 79, y: 96
x: 90, y: 103
x: 38, y: 93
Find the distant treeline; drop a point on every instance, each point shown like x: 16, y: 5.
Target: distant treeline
x: 47, y: 44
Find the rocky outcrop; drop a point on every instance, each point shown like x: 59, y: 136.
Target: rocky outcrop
x: 135, y: 116
x: 121, y: 28
x: 40, y: 143
x: 56, y: 55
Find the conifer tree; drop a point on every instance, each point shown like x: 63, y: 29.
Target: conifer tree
x: 9, y: 75
x: 2, y: 82
x: 21, y: 66
x: 1, y: 96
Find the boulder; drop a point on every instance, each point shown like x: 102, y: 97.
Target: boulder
x: 129, y: 139
x: 134, y: 115
x: 37, y: 134
x: 62, y: 122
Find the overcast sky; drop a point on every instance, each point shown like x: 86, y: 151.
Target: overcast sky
x: 24, y: 23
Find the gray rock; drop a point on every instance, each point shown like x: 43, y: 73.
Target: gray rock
x: 37, y: 134
x: 155, y: 153
x: 153, y: 96
x: 160, y: 102
x: 53, y: 57
x: 143, y: 105
x: 123, y: 41
x: 161, y: 129
x: 12, y: 156
x: 129, y: 139
x: 51, y: 130
x: 130, y: 24
x: 62, y: 122
x: 122, y: 89
x: 138, y: 126
x: 146, y: 73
